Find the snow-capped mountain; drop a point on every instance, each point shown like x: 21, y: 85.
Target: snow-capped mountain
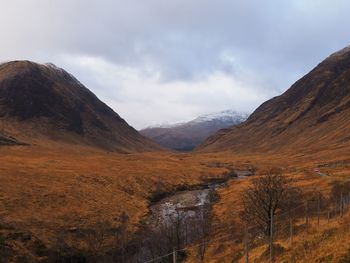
x: 228, y: 116
x: 164, y: 125
x: 185, y: 136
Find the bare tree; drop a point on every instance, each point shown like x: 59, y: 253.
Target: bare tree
x: 267, y: 195
x: 176, y: 223
x: 340, y: 189
x: 122, y: 235
x: 204, y: 222
x: 98, y: 239
x: 60, y: 248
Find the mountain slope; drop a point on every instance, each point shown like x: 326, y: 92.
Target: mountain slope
x: 186, y: 136
x: 313, y: 114
x: 38, y: 100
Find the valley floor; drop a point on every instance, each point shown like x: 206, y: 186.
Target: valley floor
x: 47, y: 191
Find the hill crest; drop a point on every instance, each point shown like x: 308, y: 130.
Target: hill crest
x: 43, y: 99
x: 313, y: 113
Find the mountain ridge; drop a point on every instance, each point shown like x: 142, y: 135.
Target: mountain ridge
x: 46, y: 100
x: 301, y: 117
x: 185, y: 136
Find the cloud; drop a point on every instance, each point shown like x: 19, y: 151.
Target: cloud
x: 193, y: 56
x: 140, y: 95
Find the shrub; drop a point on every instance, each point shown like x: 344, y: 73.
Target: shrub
x: 345, y: 258
x: 2, y: 241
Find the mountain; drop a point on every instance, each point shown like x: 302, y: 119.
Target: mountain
x: 313, y: 115
x: 186, y: 136
x: 42, y: 101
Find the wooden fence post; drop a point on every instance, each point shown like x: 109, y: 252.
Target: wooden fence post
x: 246, y: 246
x: 318, y: 210
x: 341, y: 204
x: 307, y: 216
x: 328, y: 216
x: 291, y: 232
x: 271, y: 235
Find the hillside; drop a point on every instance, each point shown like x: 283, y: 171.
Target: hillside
x: 39, y: 102
x: 186, y: 136
x: 312, y: 115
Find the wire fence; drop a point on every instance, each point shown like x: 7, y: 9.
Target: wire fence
x: 308, y: 216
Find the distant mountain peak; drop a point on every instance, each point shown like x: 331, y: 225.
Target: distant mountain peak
x: 164, y: 125
x: 225, y: 115
x: 185, y: 136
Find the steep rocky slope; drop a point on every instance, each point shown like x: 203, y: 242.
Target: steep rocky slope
x: 43, y: 101
x: 312, y: 115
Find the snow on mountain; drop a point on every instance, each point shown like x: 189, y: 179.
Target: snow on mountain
x: 225, y: 116
x: 185, y: 136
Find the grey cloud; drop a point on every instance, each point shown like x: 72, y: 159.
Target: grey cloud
x: 183, y: 38
x: 271, y: 43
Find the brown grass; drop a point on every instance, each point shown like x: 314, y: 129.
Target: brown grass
x: 47, y: 189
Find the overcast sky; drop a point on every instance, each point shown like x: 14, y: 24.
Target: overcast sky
x: 163, y: 61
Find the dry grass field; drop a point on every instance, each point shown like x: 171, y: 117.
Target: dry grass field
x: 327, y: 243
x: 49, y: 189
